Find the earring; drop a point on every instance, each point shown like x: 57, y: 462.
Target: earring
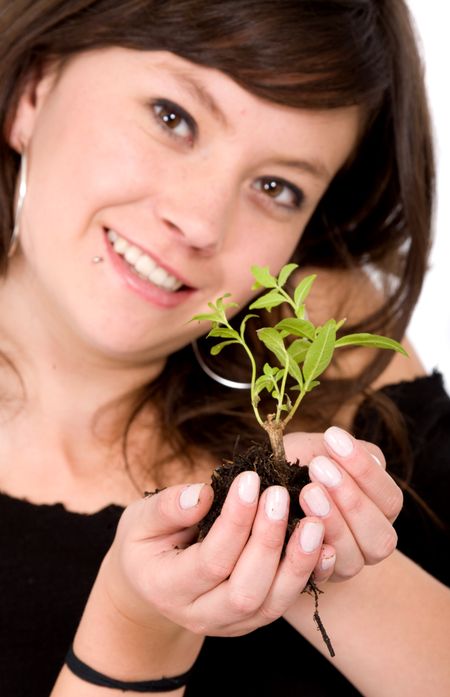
x: 14, y: 241
x: 234, y: 385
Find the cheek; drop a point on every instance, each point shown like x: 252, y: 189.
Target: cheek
x: 84, y: 166
x: 273, y: 248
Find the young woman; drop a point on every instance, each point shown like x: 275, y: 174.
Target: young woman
x: 151, y: 153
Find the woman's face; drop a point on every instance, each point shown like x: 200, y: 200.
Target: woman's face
x: 177, y: 177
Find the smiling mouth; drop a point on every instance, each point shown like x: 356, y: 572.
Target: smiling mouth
x: 143, y: 265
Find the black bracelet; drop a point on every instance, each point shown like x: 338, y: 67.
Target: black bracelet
x: 83, y: 671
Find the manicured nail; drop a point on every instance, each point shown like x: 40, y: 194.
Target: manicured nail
x: 277, y: 503
x: 317, y: 501
x: 328, y: 562
x: 190, y: 496
x: 324, y: 471
x: 377, y: 460
x: 339, y: 441
x: 310, y: 536
x: 248, y: 487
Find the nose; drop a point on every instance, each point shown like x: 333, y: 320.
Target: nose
x: 198, y: 213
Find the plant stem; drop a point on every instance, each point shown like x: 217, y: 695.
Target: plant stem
x: 275, y: 432
x: 282, y: 391
x: 295, y: 407
x: 253, y: 380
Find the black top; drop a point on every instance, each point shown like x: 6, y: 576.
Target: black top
x: 49, y: 558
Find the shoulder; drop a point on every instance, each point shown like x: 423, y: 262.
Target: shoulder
x: 401, y: 368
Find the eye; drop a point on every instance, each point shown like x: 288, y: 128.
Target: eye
x: 174, y: 120
x: 281, y: 191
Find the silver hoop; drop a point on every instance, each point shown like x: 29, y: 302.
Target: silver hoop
x: 233, y: 384
x: 14, y: 241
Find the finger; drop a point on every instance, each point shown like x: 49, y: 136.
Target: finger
x: 375, y: 452
x: 258, y: 563
x: 324, y: 568
x: 365, y: 469
x: 166, y: 512
x: 303, y: 446
x: 370, y: 528
x: 215, y: 557
x: 316, y: 500
x: 296, y: 567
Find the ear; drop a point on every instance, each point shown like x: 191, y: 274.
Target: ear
x: 34, y: 94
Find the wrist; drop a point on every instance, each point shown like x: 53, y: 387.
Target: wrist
x: 117, y: 640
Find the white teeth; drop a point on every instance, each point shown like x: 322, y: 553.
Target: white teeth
x: 143, y: 264
x: 120, y: 246
x: 158, y: 276
x: 132, y: 254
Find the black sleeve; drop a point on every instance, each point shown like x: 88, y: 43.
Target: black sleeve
x: 423, y: 524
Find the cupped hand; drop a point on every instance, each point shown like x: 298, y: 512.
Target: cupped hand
x: 352, y: 494
x: 233, y: 581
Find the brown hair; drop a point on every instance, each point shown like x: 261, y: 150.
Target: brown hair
x: 303, y: 53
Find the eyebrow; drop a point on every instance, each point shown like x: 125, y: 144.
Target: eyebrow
x: 202, y: 95
x: 314, y: 167
x: 199, y: 92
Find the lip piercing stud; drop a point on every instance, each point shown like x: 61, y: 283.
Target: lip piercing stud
x: 97, y: 260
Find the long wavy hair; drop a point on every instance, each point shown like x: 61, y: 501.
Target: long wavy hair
x: 313, y: 54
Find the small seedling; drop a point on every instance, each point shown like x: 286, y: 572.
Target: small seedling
x: 302, y: 351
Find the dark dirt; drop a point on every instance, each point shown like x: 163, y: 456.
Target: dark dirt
x: 260, y: 459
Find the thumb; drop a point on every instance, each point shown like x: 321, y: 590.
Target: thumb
x: 167, y: 511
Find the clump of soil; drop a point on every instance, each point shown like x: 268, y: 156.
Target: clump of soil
x: 260, y: 459
x: 292, y: 476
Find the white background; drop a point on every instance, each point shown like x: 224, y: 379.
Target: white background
x: 429, y: 330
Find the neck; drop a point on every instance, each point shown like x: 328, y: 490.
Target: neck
x: 68, y: 404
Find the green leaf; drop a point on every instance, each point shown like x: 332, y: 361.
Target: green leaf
x: 263, y: 383
x: 312, y: 385
x: 320, y: 352
x: 269, y: 370
x: 223, y: 333
x: 210, y: 317
x: 285, y: 272
x: 297, y: 327
x: 264, y: 277
x: 268, y: 301
x: 302, y: 290
x: 298, y: 350
x: 271, y: 338
x: 218, y: 347
x: 294, y: 371
x: 222, y: 306
x: 371, y: 341
x: 243, y: 324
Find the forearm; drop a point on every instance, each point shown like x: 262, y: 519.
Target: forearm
x: 113, y: 644
x: 389, y: 627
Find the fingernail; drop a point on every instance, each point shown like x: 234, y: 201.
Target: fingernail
x: 190, y: 496
x: 276, y: 503
x: 324, y: 471
x: 328, y: 562
x: 317, y: 501
x: 339, y: 441
x: 310, y: 536
x: 377, y: 460
x: 248, y: 487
